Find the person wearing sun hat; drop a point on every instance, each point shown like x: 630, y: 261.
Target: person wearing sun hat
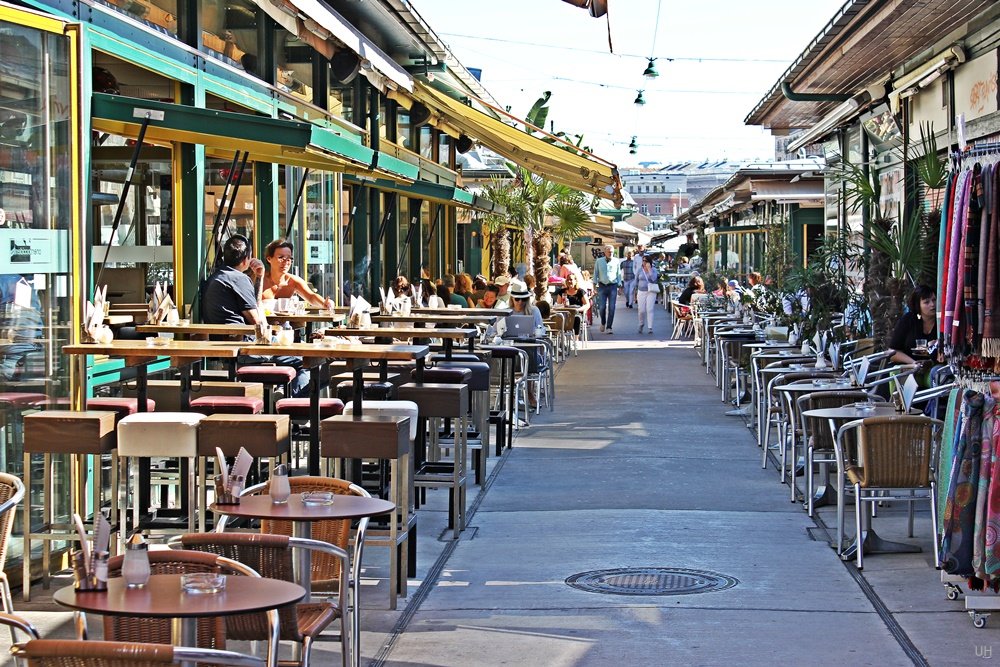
x: 520, y: 301
x: 503, y: 298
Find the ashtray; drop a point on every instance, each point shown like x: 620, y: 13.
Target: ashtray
x: 864, y: 406
x: 318, y: 498
x: 797, y: 367
x: 203, y: 583
x: 786, y: 353
x: 159, y: 341
x: 820, y: 382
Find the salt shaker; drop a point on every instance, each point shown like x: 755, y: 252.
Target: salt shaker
x: 279, y: 488
x: 135, y: 567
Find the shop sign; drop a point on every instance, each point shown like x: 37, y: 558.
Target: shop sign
x: 34, y: 250
x: 320, y: 252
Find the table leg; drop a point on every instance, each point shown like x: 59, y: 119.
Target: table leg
x: 184, y: 632
x: 448, y: 345
x: 314, y: 418
x: 145, y: 475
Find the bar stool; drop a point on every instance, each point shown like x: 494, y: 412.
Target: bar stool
x: 79, y: 435
x: 297, y: 409
x: 13, y: 404
x: 375, y: 390
x: 158, y: 434
x: 267, y: 438
x: 479, y: 385
x: 121, y: 406
x: 443, y: 401
x: 508, y: 357
x: 228, y: 405
x: 272, y: 377
x: 384, y: 432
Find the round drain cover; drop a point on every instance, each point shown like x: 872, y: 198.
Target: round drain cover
x: 651, y: 581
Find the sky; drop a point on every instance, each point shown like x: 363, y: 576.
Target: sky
x: 716, y: 59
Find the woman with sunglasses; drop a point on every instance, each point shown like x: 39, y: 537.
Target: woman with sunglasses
x: 280, y: 283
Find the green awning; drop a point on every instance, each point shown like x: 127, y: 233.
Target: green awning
x: 441, y: 194
x: 267, y: 139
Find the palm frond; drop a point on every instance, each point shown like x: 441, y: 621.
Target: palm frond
x: 931, y: 168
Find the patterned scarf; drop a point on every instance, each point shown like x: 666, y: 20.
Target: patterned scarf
x: 946, y: 456
x: 954, y: 245
x: 960, y: 510
x: 979, y: 539
x: 991, y: 301
x: 966, y: 325
x: 944, y: 249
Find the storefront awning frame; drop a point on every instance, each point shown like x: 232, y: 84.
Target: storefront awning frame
x: 432, y: 192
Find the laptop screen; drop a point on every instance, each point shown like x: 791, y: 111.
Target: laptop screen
x: 520, y: 326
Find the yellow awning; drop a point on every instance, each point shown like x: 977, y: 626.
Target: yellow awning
x: 547, y: 160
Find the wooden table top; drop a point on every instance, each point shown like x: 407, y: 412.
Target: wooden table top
x: 162, y: 597
x: 455, y: 317
x: 190, y: 349
x: 198, y: 329
x: 309, y: 316
x: 319, y: 350
x: 405, y: 332
x: 343, y: 507
x: 502, y: 312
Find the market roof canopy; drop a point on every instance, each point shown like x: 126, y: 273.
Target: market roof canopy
x: 267, y: 139
x: 542, y: 158
x: 433, y: 192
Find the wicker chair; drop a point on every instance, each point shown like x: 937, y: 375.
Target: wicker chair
x: 326, y: 567
x: 786, y: 424
x: 75, y: 653
x: 211, y: 633
x: 11, y: 494
x: 819, y: 438
x: 271, y: 556
x: 894, y: 453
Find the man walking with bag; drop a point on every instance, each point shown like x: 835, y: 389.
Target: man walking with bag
x: 608, y: 277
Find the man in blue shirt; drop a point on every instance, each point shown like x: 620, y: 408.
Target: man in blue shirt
x: 607, y: 279
x: 628, y: 272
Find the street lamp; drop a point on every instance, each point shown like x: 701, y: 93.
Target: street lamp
x: 651, y: 72
x: 639, y: 99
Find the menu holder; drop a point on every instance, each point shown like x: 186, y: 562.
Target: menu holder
x: 230, y: 481
x: 90, y: 561
x: 907, y: 392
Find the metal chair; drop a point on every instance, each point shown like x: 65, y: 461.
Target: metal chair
x: 271, y: 557
x: 11, y: 494
x: 819, y: 438
x: 894, y: 453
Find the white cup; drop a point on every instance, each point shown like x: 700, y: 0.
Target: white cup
x: 283, y: 305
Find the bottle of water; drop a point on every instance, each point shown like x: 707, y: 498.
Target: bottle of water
x: 287, y: 336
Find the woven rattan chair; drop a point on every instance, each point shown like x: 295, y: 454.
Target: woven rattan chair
x: 784, y: 418
x: 327, y: 567
x: 271, y: 557
x: 817, y: 434
x: 894, y: 453
x: 11, y: 494
x: 76, y: 653
x: 211, y: 633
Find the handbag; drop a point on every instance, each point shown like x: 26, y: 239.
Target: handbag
x: 653, y: 287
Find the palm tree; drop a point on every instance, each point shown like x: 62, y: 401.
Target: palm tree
x: 502, y: 192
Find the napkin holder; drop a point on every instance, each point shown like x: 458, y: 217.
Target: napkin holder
x: 228, y: 494
x: 89, y: 579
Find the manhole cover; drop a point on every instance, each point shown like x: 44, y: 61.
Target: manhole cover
x: 651, y: 581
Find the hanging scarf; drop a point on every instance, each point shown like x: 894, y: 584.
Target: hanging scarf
x: 983, y: 261
x: 944, y: 248
x: 953, y: 257
x: 966, y: 324
x: 960, y: 510
x: 991, y: 297
x: 991, y: 531
x: 946, y: 456
x: 983, y: 487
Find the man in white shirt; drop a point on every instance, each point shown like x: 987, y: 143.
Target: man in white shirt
x: 607, y: 280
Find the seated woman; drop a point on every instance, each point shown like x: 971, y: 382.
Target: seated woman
x: 915, y: 336
x: 695, y: 286
x: 463, y: 288
x: 520, y: 301
x: 572, y: 295
x: 428, y: 295
x: 401, y: 287
x: 280, y: 284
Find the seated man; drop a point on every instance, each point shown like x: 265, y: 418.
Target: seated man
x: 229, y: 298
x: 490, y: 297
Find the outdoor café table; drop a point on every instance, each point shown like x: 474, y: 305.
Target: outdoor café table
x: 302, y: 517
x: 765, y: 351
x: 456, y: 318
x: 192, y: 331
x: 139, y: 354
x: 764, y: 375
x: 319, y: 354
x: 162, y: 597
x: 449, y: 336
x: 502, y: 312
x: 836, y: 417
x: 307, y: 320
x: 740, y: 335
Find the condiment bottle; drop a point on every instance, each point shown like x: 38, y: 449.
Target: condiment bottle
x: 135, y: 567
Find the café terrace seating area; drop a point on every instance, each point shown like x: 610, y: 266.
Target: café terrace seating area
x: 197, y: 475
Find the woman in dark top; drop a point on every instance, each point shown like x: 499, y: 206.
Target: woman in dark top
x: 572, y: 295
x: 695, y: 286
x: 917, y: 324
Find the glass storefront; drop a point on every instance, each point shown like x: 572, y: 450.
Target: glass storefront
x: 36, y: 236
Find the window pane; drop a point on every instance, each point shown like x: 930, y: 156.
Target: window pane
x: 229, y: 31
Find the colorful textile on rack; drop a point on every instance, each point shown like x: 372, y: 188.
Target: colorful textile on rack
x: 983, y: 248
x: 955, y: 272
x: 964, y: 269
x: 966, y: 336
x: 990, y: 570
x: 960, y: 509
x: 946, y: 455
x: 990, y: 346
x: 944, y: 250
x: 991, y: 430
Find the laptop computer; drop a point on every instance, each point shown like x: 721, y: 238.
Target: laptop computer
x: 520, y: 326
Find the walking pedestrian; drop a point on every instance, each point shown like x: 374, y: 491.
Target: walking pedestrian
x: 647, y: 280
x: 628, y: 274
x: 608, y: 276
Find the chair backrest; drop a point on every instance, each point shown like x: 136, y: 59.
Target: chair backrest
x: 211, y: 631
x: 271, y: 557
x: 897, y: 451
x: 79, y: 653
x: 11, y: 494
x: 680, y: 311
x: 819, y: 400
x: 325, y: 567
